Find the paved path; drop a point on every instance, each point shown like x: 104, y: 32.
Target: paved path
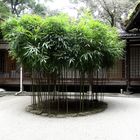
x: 120, y: 121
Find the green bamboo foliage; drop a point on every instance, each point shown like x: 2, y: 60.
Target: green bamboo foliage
x: 50, y: 47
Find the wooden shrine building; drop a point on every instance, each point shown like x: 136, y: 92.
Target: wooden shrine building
x: 132, y: 50
x: 124, y: 74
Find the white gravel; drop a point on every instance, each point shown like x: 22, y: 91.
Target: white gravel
x: 120, y: 121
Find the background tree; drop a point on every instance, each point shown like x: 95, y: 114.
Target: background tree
x: 114, y: 11
x: 19, y: 7
x: 4, y: 10
x: 109, y: 11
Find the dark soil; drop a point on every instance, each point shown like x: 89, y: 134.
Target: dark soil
x: 67, y: 107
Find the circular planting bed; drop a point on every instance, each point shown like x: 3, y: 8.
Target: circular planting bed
x: 67, y: 107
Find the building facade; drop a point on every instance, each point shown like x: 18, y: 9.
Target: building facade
x: 125, y: 73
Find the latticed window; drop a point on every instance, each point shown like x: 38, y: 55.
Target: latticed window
x: 2, y: 57
x: 134, y: 62
x: 116, y: 72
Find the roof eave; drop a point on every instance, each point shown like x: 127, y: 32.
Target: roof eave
x: 131, y: 20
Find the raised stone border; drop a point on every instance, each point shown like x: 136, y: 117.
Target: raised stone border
x: 85, y: 113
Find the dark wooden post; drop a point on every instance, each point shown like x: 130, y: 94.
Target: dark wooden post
x: 127, y: 67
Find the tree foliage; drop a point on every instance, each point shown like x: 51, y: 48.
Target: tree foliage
x: 4, y: 10
x: 18, y: 7
x: 111, y: 12
x: 95, y: 45
x: 59, y: 41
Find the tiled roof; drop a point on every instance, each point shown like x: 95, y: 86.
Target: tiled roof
x: 129, y: 35
x: 133, y: 20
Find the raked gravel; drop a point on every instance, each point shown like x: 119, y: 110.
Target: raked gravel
x: 120, y: 121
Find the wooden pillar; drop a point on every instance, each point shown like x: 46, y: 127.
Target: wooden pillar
x: 6, y: 62
x: 21, y: 81
x: 127, y: 66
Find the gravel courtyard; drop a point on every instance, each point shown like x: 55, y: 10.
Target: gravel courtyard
x: 120, y: 121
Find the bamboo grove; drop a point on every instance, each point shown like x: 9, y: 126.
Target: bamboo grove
x: 59, y: 49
